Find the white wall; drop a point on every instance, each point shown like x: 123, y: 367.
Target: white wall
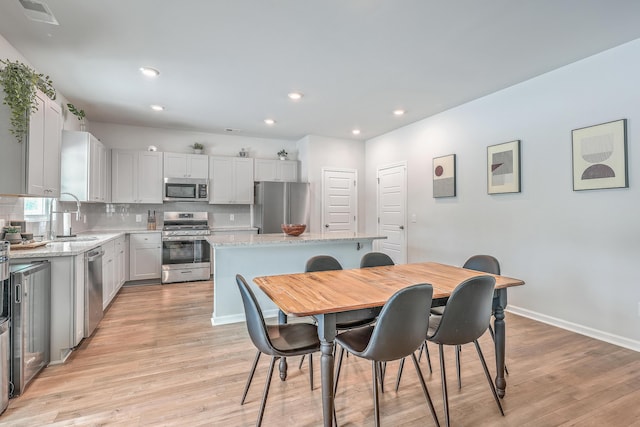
x: 318, y: 152
x: 575, y: 250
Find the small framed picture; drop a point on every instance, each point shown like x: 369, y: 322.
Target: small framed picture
x: 444, y: 176
x: 503, y: 168
x: 600, y: 156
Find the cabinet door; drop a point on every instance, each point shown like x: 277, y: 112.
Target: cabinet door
x: 175, y: 165
x: 243, y: 181
x: 108, y: 273
x: 145, y: 256
x: 221, y: 186
x: 119, y: 263
x: 265, y: 169
x: 52, y: 148
x: 35, y: 147
x: 287, y: 170
x: 198, y: 166
x: 123, y: 172
x: 96, y: 154
x: 149, y: 177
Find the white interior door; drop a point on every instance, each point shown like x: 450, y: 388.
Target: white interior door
x: 339, y: 200
x: 392, y: 208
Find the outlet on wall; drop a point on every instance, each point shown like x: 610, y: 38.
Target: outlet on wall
x: 232, y: 217
x: 138, y: 218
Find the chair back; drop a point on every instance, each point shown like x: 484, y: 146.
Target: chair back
x: 375, y: 259
x: 467, y: 313
x: 402, y: 324
x: 255, y: 321
x: 485, y: 263
x: 322, y: 263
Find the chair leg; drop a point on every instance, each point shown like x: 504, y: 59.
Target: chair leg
x: 443, y: 375
x: 253, y: 371
x: 493, y: 337
x: 376, y: 409
x: 458, y: 349
x: 335, y: 382
x: 426, y: 354
x: 489, y: 380
x: 424, y: 389
x: 266, y: 391
x: 311, y: 370
x: 301, y: 361
x: 382, y: 367
x: 399, y: 373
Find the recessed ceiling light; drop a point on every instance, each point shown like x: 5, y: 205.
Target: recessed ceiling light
x: 356, y: 131
x: 398, y: 112
x: 295, y: 95
x: 269, y: 121
x: 149, y: 72
x: 157, y: 108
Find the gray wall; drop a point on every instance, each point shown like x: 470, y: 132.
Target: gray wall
x: 575, y: 250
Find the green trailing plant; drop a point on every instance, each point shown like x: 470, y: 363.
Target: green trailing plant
x: 80, y: 114
x: 282, y: 153
x: 20, y: 83
x: 198, y: 146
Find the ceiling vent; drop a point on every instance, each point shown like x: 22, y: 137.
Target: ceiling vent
x: 38, y: 11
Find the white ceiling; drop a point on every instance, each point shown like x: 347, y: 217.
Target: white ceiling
x: 230, y: 63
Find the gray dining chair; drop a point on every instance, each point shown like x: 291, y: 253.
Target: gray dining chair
x: 401, y: 327
x: 486, y: 264
x: 466, y: 317
x: 375, y: 259
x: 274, y: 340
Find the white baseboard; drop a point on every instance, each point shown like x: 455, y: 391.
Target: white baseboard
x: 579, y: 329
x: 237, y: 318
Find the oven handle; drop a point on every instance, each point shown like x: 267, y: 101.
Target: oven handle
x: 183, y: 238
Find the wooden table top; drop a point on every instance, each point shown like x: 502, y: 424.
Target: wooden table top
x: 307, y: 294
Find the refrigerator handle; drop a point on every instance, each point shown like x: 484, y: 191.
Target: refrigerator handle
x: 18, y: 293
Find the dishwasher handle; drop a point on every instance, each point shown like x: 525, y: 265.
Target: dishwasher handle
x: 94, y: 254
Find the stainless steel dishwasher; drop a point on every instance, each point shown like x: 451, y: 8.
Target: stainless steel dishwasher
x: 93, y: 290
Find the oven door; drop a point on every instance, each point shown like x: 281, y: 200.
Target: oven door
x: 185, y: 260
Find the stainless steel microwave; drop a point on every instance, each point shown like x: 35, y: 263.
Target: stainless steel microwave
x: 185, y: 190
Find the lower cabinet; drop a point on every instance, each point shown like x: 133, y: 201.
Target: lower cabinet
x: 113, y: 262
x: 145, y: 256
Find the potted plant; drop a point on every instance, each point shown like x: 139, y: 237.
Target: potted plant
x: 283, y: 154
x: 197, y: 147
x: 20, y: 83
x: 12, y: 234
x: 80, y: 114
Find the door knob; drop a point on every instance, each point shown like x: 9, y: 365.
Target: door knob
x: 402, y: 227
x: 326, y: 226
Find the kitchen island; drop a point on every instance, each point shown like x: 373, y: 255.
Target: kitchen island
x: 255, y: 255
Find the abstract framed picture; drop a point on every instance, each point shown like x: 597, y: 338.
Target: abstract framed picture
x: 503, y: 168
x: 600, y: 156
x: 444, y: 176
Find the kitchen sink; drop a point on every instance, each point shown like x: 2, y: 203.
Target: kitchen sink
x: 75, y: 239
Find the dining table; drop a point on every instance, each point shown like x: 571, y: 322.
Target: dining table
x: 340, y: 296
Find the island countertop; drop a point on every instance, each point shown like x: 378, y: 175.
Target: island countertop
x: 283, y: 239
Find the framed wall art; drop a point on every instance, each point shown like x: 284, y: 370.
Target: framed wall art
x: 444, y: 176
x: 503, y: 168
x: 600, y: 156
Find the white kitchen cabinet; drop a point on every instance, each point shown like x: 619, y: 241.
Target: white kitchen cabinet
x: 108, y: 273
x: 231, y: 180
x: 43, y: 147
x: 145, y: 256
x: 276, y: 170
x: 84, y: 167
x: 120, y: 262
x: 178, y: 165
x: 136, y: 176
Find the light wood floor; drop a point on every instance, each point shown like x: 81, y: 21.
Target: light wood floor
x: 155, y: 360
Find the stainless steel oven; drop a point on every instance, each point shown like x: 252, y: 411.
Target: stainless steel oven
x: 185, y: 190
x: 186, y: 254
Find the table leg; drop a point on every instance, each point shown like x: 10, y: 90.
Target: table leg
x: 499, y: 326
x: 282, y: 319
x: 327, y: 333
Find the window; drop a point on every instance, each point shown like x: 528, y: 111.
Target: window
x: 35, y: 209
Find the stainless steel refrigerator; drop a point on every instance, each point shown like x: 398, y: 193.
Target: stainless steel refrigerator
x: 278, y: 203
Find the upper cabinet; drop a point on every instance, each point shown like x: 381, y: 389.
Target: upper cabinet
x: 32, y: 167
x: 85, y: 162
x: 231, y: 180
x: 44, y: 141
x: 275, y: 170
x: 136, y: 176
x: 177, y: 165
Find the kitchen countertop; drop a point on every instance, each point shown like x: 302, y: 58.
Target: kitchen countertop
x: 283, y: 239
x: 58, y: 248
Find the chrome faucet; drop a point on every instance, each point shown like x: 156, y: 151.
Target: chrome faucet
x: 52, y: 234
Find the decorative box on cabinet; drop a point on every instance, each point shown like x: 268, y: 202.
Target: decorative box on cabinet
x: 231, y: 180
